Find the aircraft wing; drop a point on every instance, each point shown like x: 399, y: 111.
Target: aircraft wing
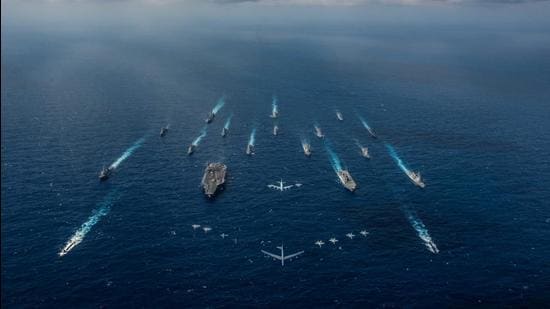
x: 293, y: 255
x: 273, y: 187
x: 278, y: 257
x: 287, y: 187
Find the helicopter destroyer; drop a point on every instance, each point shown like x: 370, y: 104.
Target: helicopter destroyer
x: 214, y: 177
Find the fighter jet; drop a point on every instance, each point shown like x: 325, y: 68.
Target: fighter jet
x: 223, y: 235
x: 320, y: 243
x: 206, y: 229
x: 195, y: 226
x: 364, y: 233
x: 280, y: 186
x: 350, y: 235
x: 282, y: 257
x: 333, y: 240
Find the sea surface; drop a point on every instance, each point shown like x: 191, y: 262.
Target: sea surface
x: 468, y: 107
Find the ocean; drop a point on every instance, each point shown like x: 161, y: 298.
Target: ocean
x: 465, y: 105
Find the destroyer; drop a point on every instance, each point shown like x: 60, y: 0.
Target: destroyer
x: 416, y: 179
x: 224, y: 132
x: 214, y: 177
x: 371, y: 132
x: 210, y: 117
x: 250, y: 149
x: 105, y: 173
x: 365, y: 152
x: 346, y: 180
x: 276, y: 130
x: 307, y: 149
x: 163, y: 131
x: 191, y: 149
x: 318, y: 132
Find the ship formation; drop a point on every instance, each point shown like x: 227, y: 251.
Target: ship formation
x: 214, y: 176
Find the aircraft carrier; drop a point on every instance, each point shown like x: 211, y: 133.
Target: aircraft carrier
x: 214, y: 177
x: 346, y: 180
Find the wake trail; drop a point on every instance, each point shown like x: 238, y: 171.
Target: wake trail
x: 219, y: 105
x: 252, y: 139
x: 137, y: 144
x: 397, y: 159
x: 78, y: 236
x: 200, y: 137
x: 274, y: 104
x: 421, y: 230
x: 334, y: 159
x: 228, y: 122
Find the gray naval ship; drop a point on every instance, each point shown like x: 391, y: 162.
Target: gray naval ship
x: 163, y: 131
x: 105, y: 173
x: 210, y: 117
x: 214, y: 177
x: 224, y: 132
x: 307, y: 149
x: 250, y: 149
x: 346, y: 180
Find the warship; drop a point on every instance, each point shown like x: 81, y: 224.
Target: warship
x: 276, y: 130
x: 163, y: 131
x: 371, y: 132
x: 307, y: 149
x: 416, y: 179
x: 214, y: 177
x: 224, y: 132
x: 339, y: 116
x: 191, y: 149
x: 318, y: 132
x: 274, y: 114
x: 346, y: 180
x: 105, y: 173
x: 250, y: 149
x: 365, y: 152
x: 210, y: 117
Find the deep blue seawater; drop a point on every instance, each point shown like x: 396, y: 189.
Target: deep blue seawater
x: 467, y: 107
